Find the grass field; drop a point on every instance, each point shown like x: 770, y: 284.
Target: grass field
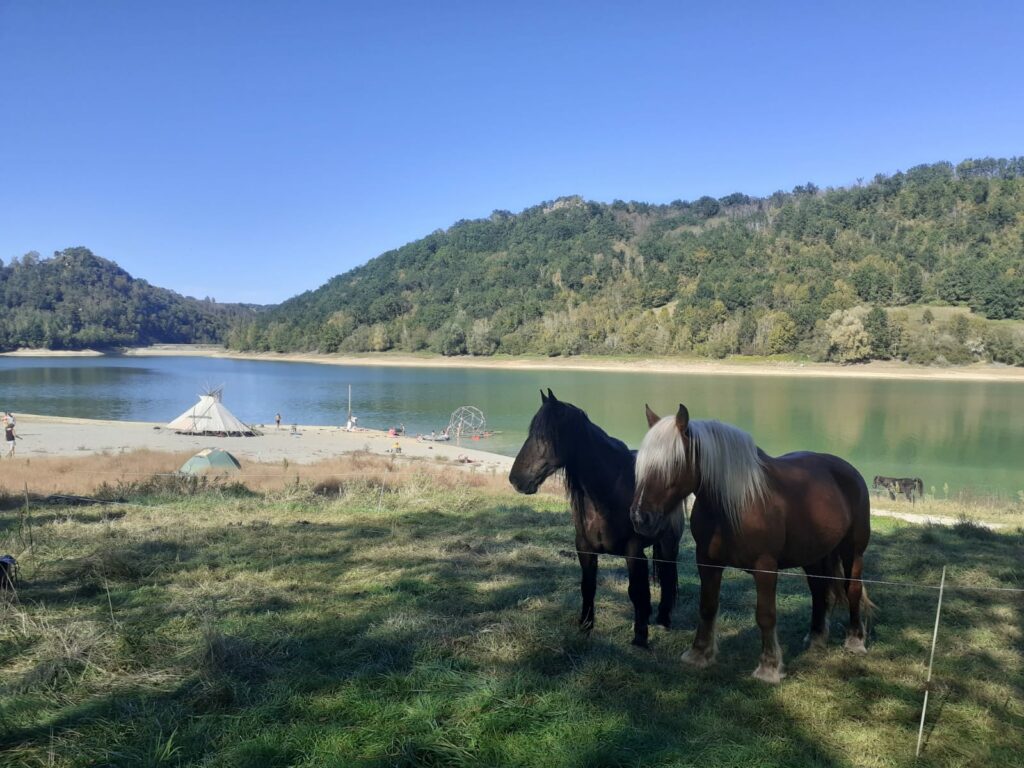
x: 421, y: 622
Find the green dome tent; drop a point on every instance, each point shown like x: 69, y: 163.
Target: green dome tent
x: 210, y: 460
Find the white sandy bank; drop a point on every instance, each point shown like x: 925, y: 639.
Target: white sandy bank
x: 56, y: 436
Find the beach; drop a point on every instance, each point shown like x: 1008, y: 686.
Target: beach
x: 877, y: 369
x: 738, y: 366
x: 52, y: 436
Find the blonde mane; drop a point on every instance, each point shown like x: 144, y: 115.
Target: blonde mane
x: 731, y: 469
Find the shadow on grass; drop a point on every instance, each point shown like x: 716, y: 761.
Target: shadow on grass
x: 449, y: 638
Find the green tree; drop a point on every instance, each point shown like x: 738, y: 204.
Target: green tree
x: 848, y: 340
x: 876, y: 324
x: 453, y: 341
x: 909, y: 284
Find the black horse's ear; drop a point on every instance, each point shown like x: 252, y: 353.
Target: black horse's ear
x: 551, y: 396
x: 543, y: 397
x: 652, y: 417
x: 682, y: 419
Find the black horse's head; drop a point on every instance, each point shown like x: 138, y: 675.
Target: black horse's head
x: 548, y: 445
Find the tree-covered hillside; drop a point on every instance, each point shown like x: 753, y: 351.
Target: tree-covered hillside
x: 821, y: 272
x: 77, y: 300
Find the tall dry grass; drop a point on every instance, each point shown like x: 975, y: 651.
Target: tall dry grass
x: 118, y: 473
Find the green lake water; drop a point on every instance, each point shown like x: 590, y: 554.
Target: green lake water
x: 967, y: 435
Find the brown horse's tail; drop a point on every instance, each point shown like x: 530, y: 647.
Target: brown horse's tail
x: 837, y: 590
x: 836, y: 584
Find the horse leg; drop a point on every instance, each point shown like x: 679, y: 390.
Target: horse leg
x: 818, y: 636
x: 705, y: 645
x: 668, y: 578
x: 588, y: 587
x: 769, y: 669
x: 853, y: 565
x: 639, y: 591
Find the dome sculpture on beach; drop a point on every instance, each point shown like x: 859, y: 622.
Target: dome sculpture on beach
x: 210, y: 417
x: 467, y: 421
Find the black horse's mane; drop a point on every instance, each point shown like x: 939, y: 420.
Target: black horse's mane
x: 573, y: 434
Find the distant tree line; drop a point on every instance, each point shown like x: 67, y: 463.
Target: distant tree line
x: 77, y: 300
x: 836, y: 274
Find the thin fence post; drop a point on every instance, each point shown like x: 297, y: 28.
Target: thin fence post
x: 28, y: 518
x: 931, y: 660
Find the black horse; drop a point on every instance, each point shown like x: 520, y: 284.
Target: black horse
x: 599, y: 483
x: 908, y: 486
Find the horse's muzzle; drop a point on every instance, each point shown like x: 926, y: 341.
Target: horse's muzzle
x: 645, y: 522
x: 527, y: 489
x: 525, y: 485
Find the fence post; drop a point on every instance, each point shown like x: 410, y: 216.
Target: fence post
x: 27, y: 517
x: 931, y: 659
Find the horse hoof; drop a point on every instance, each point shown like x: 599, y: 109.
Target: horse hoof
x: 698, y: 659
x: 855, y: 645
x: 666, y: 623
x: 769, y: 674
x: 816, y: 642
x: 640, y: 642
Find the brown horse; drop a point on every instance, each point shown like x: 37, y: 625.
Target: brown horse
x: 761, y: 514
x: 599, y: 482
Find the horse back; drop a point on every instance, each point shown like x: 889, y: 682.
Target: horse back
x: 824, y: 500
x: 824, y: 467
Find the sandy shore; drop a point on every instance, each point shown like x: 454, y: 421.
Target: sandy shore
x: 26, y: 352
x: 739, y: 367
x: 57, y: 436
x: 877, y: 369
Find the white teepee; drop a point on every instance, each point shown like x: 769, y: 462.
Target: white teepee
x: 210, y: 417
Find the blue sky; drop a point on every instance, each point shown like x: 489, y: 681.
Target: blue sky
x: 251, y: 150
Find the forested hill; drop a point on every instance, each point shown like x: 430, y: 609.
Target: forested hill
x: 77, y: 300
x: 837, y: 274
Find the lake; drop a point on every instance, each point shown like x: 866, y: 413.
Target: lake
x: 969, y: 435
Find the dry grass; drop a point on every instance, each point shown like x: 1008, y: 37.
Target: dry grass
x: 123, y: 474
x: 999, y: 510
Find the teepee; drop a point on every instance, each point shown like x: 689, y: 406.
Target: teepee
x: 210, y: 417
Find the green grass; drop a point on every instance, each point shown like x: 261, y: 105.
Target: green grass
x: 432, y: 626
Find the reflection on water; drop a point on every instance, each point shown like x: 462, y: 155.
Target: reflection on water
x: 966, y: 434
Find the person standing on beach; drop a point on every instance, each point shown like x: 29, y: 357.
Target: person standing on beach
x: 9, y: 435
x: 277, y: 420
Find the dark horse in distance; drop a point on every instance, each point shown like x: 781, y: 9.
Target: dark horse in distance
x: 599, y: 484
x: 908, y: 486
x: 761, y: 514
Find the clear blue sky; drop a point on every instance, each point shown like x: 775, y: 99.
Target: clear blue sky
x: 251, y: 150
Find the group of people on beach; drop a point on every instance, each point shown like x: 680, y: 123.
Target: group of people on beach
x: 9, y: 435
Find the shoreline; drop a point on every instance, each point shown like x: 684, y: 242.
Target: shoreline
x: 878, y: 369
x: 735, y: 367
x: 62, y: 436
